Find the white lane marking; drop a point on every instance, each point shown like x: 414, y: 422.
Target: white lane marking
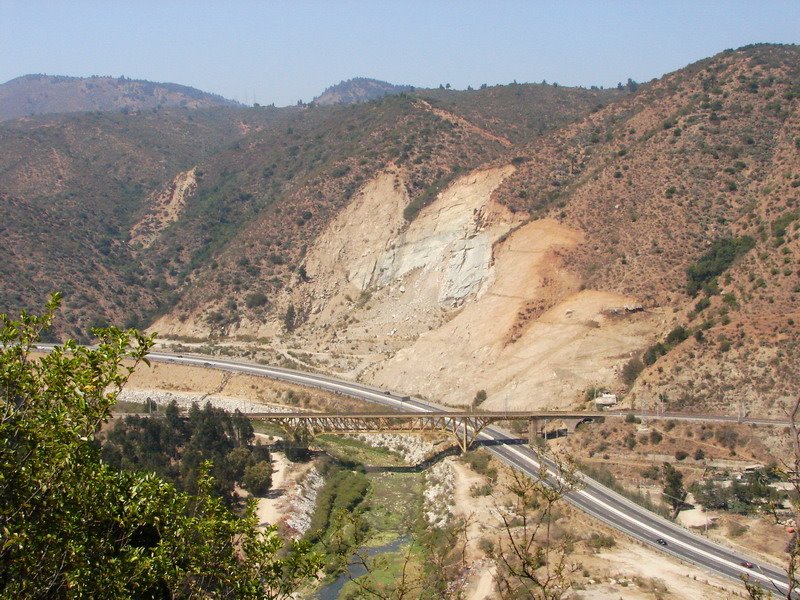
x: 587, y: 495
x: 654, y: 531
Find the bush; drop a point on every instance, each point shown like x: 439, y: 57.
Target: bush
x: 258, y: 478
x: 480, y: 463
x: 656, y: 437
x: 632, y: 370
x: 681, y: 455
x: 720, y: 256
x: 255, y: 300
x: 597, y: 541
x: 480, y: 490
x: 677, y: 335
x: 699, y: 454
x: 480, y: 398
x: 651, y: 473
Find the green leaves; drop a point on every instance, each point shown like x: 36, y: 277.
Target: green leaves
x: 73, y: 527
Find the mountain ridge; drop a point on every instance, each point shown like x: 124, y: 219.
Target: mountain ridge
x: 357, y: 90
x: 634, y: 188
x: 34, y: 94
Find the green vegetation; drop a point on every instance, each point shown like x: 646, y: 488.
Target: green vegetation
x: 480, y: 462
x: 176, y: 449
x: 674, y: 337
x: 750, y: 495
x: 599, y: 541
x: 721, y: 255
x: 430, y: 193
x: 343, y: 492
x: 604, y: 476
x: 75, y: 527
x: 632, y: 369
x: 781, y: 223
x: 674, y: 492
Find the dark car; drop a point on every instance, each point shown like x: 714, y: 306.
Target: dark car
x: 661, y: 542
x: 747, y: 563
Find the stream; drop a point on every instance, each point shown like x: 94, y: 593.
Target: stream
x: 332, y: 590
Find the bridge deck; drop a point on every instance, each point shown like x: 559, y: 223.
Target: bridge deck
x: 457, y: 414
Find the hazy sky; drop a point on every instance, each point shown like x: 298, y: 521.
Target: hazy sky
x: 285, y: 51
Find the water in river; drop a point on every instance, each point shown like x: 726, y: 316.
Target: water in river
x: 331, y: 591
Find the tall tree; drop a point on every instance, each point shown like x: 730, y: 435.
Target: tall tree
x: 674, y: 492
x: 74, y: 527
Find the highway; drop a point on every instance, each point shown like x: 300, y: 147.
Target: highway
x: 593, y: 498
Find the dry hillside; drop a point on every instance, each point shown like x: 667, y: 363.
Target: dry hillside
x: 533, y: 241
x: 46, y: 94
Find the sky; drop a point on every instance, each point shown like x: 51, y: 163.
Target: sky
x: 282, y: 52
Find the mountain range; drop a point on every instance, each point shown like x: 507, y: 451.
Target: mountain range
x: 568, y: 239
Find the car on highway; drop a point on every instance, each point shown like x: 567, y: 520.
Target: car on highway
x: 748, y: 564
x: 661, y: 542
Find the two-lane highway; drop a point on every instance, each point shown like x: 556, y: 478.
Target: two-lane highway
x: 593, y: 498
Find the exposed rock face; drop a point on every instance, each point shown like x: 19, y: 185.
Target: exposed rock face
x: 166, y: 207
x: 531, y: 340
x: 464, y: 298
x: 447, y: 250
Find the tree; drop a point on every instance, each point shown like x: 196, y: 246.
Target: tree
x: 791, y: 472
x: 72, y: 526
x: 289, y: 318
x: 258, y: 478
x: 532, y: 562
x: 480, y: 398
x: 674, y: 492
x: 632, y: 369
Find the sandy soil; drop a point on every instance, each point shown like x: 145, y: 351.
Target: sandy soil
x: 479, y: 513
x: 632, y: 571
x: 249, y: 388
x: 483, y: 588
x: 532, y: 330
x: 166, y: 208
x: 270, y: 509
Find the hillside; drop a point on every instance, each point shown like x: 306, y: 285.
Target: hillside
x: 707, y: 154
x: 358, y: 89
x: 48, y: 94
x: 190, y: 207
x: 533, y: 241
x: 73, y: 187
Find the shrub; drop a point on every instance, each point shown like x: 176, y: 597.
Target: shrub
x: 598, y: 541
x: 681, y: 455
x: 656, y: 437
x: 258, y: 478
x: 256, y: 299
x: 677, y: 335
x: 480, y: 490
x: 699, y: 454
x: 720, y: 256
x: 480, y: 398
x: 651, y: 473
x: 631, y: 370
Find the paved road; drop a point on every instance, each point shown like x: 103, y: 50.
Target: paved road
x: 593, y: 498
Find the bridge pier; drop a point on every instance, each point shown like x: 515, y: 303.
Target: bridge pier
x: 533, y: 430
